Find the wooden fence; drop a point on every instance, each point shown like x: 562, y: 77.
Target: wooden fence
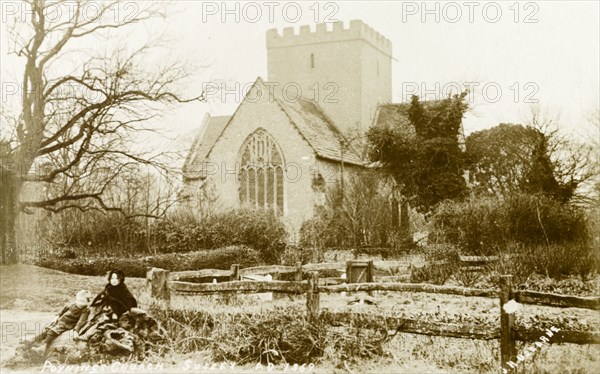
x: 161, y: 284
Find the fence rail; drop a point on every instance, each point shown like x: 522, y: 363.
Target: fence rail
x: 241, y: 286
x: 555, y: 300
x: 161, y: 284
x: 409, y: 287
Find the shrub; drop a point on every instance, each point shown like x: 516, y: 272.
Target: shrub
x: 357, y: 215
x: 398, y: 250
x: 137, y: 266
x: 277, y: 335
x: 467, y: 277
x: 485, y: 226
x: 474, y: 226
x: 512, y: 261
x: 555, y: 261
x: 538, y: 220
x: 561, y: 260
x: 96, y: 231
x: 258, y: 229
x: 111, y: 234
x: 294, y: 254
x: 441, y: 262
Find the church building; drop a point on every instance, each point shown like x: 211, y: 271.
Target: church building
x: 294, y: 133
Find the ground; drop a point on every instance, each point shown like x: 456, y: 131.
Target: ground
x: 30, y: 296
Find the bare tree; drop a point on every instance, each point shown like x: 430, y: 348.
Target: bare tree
x: 575, y: 162
x: 79, y: 111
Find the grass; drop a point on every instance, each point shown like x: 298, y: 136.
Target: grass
x: 28, y: 287
x: 32, y: 294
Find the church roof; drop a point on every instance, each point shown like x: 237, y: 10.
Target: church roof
x: 392, y: 114
x: 397, y: 114
x: 306, y: 116
x: 318, y: 130
x: 209, y: 132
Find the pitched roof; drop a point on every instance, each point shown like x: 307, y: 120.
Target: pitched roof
x: 319, y: 131
x: 209, y: 132
x: 393, y: 114
x: 306, y: 116
x: 397, y: 114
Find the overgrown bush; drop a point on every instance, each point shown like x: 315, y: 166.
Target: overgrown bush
x: 278, y: 335
x: 513, y: 261
x: 474, y: 226
x: 561, y: 260
x: 109, y: 231
x: 294, y: 254
x: 112, y: 235
x: 261, y: 230
x: 275, y: 336
x: 485, y: 226
x: 355, y: 215
x: 137, y: 266
x: 538, y: 220
x: 442, y: 262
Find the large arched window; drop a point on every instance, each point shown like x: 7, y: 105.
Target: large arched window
x: 261, y: 172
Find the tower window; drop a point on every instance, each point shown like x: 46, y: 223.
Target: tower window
x: 312, y: 60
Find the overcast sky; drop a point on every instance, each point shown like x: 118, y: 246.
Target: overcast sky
x: 545, y: 51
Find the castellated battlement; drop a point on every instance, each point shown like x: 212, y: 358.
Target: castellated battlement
x: 357, y: 30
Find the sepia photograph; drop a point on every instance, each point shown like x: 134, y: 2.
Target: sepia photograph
x: 319, y: 187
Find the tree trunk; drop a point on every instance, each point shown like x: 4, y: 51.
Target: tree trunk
x: 395, y: 212
x: 9, y: 200
x: 405, y: 221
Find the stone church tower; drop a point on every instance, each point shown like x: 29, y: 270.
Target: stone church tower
x: 347, y: 72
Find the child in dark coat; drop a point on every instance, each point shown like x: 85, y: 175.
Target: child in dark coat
x: 72, y: 317
x: 116, y: 295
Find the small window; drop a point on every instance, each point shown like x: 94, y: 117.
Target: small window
x: 312, y: 60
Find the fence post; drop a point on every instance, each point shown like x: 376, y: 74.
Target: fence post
x: 157, y: 284
x: 370, y: 275
x: 312, y: 296
x: 235, y: 273
x: 507, y: 338
x: 298, y: 274
x: 349, y: 271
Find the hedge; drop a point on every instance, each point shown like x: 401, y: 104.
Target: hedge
x: 221, y: 258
